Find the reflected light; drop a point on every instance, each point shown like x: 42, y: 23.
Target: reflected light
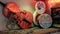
x: 53, y: 2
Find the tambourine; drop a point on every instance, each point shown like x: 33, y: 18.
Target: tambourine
x: 45, y: 21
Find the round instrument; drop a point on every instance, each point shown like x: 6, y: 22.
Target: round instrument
x: 40, y: 7
x: 25, y: 19
x: 45, y: 21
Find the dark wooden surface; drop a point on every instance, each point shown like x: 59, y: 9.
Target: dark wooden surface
x: 34, y: 30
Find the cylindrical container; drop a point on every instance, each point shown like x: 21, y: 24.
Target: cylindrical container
x: 42, y: 20
x: 39, y: 9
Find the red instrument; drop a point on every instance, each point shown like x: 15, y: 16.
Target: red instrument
x: 24, y: 18
x: 10, y: 7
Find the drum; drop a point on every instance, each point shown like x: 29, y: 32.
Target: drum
x: 40, y: 7
x: 45, y: 21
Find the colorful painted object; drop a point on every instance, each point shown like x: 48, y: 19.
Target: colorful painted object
x: 25, y: 19
x: 10, y: 7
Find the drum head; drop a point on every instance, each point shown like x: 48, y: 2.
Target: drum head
x: 40, y: 7
x: 45, y: 21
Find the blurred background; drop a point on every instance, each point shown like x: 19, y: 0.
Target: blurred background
x: 3, y: 20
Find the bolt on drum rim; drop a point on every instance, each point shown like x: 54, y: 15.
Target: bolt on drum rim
x: 40, y: 7
x: 45, y: 21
